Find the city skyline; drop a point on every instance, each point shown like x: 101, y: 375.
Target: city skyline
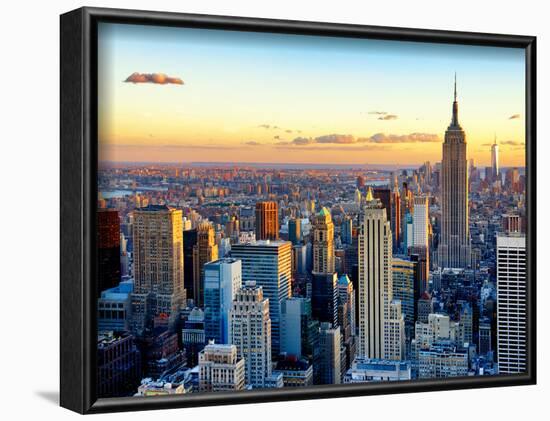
x: 310, y: 99
x: 239, y: 276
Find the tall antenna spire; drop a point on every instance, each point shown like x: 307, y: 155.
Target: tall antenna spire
x: 455, y: 86
x: 495, y: 141
x: 454, y: 121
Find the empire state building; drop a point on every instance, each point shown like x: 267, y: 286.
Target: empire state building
x: 454, y: 246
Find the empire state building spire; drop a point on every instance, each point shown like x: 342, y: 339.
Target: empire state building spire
x: 454, y: 122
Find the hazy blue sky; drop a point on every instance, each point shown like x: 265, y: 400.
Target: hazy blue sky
x: 324, y: 91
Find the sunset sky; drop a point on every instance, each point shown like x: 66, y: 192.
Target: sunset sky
x: 255, y: 97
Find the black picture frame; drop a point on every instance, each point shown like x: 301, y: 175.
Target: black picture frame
x: 79, y: 193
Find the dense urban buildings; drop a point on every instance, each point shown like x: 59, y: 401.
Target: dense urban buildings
x: 268, y: 263
x: 239, y: 276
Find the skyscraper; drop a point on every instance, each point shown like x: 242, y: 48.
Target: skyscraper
x: 250, y: 332
x: 511, y: 304
x: 108, y: 249
x: 299, y: 332
x: 421, y: 221
x: 269, y: 264
x: 454, y: 248
x: 222, y: 280
x: 324, y: 297
x: 189, y: 243
x: 494, y: 160
x: 323, y: 242
x: 384, y: 195
x: 204, y: 251
x: 326, y: 366
x: 375, y: 278
x: 294, y: 235
x: 403, y: 290
x: 267, y: 221
x: 158, y: 266
x: 395, y: 222
x: 420, y: 240
x: 394, y: 332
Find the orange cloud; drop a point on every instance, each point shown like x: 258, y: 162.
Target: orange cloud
x: 388, y: 117
x: 157, y: 78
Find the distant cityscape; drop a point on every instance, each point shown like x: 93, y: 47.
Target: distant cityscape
x: 237, y: 276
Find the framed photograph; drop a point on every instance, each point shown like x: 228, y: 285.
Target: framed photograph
x: 259, y: 210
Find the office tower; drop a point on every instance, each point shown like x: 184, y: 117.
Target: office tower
x: 114, y: 307
x: 189, y: 243
x: 269, y: 264
x: 324, y: 297
x: 511, y: 304
x: 441, y: 360
x: 406, y: 204
x: 454, y: 248
x: 484, y: 339
x: 267, y: 221
x: 375, y: 278
x: 222, y: 280
x: 489, y: 178
x: 421, y: 221
x: 204, y: 251
x: 323, y: 242
x: 360, y: 182
x: 220, y: 370
x: 299, y: 259
x: 296, y: 372
x: 246, y: 219
x: 326, y: 366
x: 395, y: 223
x: 294, y: 235
x: 494, y: 160
x: 250, y: 332
x: 193, y: 336
x: 408, y: 232
x: 224, y: 247
x: 118, y: 365
x: 420, y: 241
x: 232, y: 229
x: 403, y: 290
x: 424, y: 307
x: 466, y: 324
x: 158, y: 266
x: 384, y: 195
x: 346, y: 230
x: 512, y: 224
x: 346, y: 295
x: 372, y: 370
x: 419, y: 257
x: 108, y: 249
x: 299, y: 331
x: 346, y: 320
x: 394, y: 333
x: 513, y: 180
